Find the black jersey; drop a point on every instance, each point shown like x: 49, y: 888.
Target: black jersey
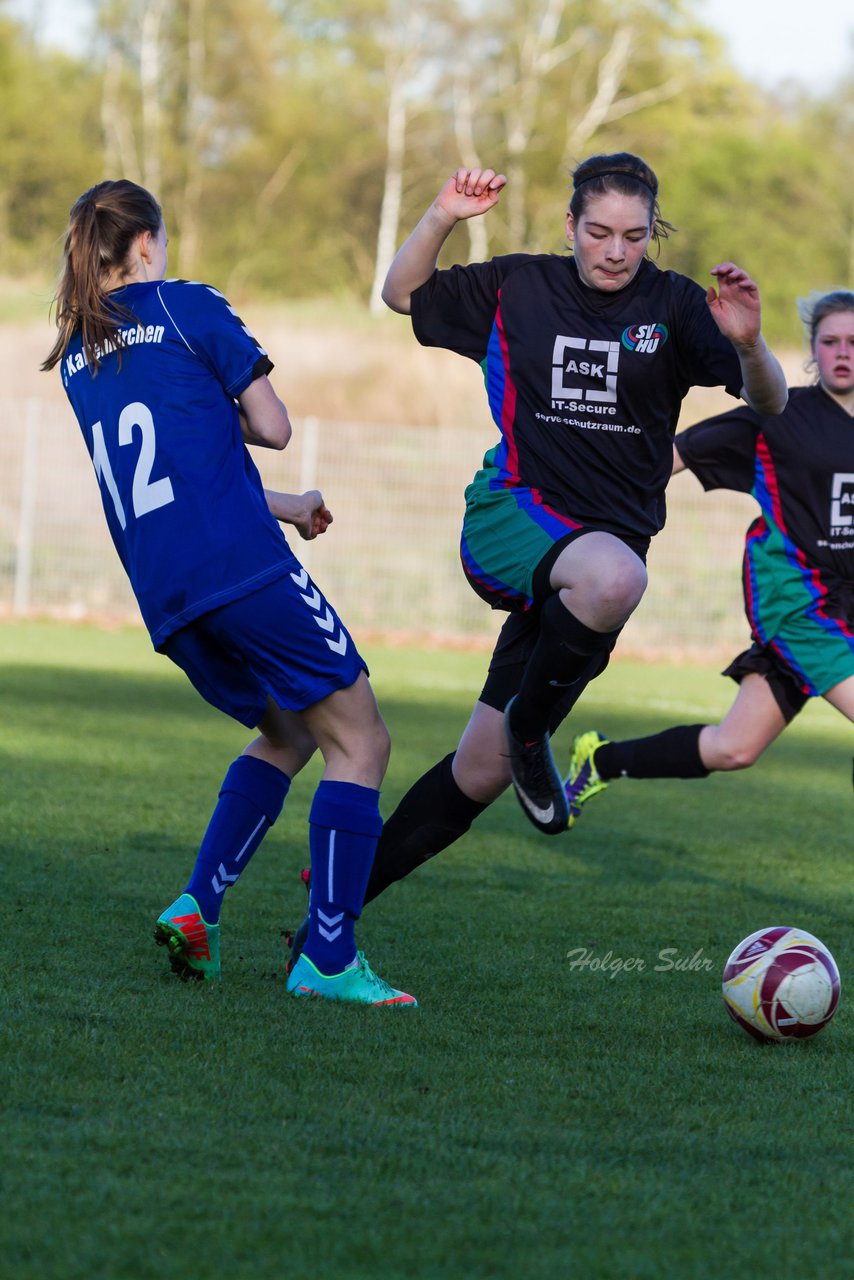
x: 800, y: 468
x: 584, y: 386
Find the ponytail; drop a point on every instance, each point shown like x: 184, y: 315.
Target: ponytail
x: 102, y: 226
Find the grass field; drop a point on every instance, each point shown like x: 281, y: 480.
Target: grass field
x: 533, y: 1119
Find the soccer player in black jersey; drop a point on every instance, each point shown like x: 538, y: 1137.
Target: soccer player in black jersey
x: 586, y: 358
x: 798, y: 569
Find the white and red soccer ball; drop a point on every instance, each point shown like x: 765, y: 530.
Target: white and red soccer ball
x: 781, y: 984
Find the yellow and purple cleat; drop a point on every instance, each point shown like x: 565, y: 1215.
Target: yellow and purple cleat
x: 583, y: 782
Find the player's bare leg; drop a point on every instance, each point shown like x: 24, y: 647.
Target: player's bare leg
x: 481, y: 765
x: 750, y: 726
x: 841, y: 696
x: 284, y: 741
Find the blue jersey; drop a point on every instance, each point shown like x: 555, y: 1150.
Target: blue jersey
x: 183, y: 499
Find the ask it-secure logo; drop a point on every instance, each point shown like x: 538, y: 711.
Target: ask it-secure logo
x: 645, y: 338
x: 842, y: 504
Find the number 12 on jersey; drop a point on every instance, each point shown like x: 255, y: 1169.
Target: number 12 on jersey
x: 147, y: 494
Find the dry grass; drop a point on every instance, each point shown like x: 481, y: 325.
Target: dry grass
x: 340, y: 365
x: 332, y: 364
x: 390, y: 411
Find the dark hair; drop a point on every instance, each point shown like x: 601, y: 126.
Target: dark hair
x: 624, y: 173
x: 102, y: 225
x: 818, y: 306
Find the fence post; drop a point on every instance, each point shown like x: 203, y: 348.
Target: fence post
x: 308, y: 472
x: 27, y: 511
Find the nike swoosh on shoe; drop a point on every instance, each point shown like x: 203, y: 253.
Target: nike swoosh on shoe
x: 542, y: 815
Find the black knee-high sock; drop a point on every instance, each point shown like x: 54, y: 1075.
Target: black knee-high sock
x: 595, y: 666
x: 432, y: 815
x: 562, y: 658
x: 675, y: 753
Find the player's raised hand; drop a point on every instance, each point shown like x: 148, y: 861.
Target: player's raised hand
x: 735, y: 306
x: 469, y: 192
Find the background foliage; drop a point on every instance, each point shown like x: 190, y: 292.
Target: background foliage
x: 293, y: 144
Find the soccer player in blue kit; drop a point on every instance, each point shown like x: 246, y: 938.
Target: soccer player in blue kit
x: 586, y: 359
x: 798, y: 569
x: 168, y: 386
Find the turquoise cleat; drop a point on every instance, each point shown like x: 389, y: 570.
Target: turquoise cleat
x: 358, y: 984
x: 192, y: 944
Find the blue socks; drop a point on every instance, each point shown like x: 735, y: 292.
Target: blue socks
x: 345, y: 825
x: 250, y: 801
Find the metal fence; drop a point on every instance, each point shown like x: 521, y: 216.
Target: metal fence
x: 389, y: 563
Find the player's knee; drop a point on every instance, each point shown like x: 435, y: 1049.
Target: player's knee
x: 620, y: 591
x: 482, y: 778
x: 371, y: 746
x: 734, y: 756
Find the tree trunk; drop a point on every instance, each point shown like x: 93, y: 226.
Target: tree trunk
x: 150, y: 88
x: 477, y: 228
x: 193, y: 178
x: 392, y: 190
x: 120, y: 157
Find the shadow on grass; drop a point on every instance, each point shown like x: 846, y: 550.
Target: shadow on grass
x: 115, y: 772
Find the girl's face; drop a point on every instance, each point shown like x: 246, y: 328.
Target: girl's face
x: 833, y: 351
x: 610, y: 239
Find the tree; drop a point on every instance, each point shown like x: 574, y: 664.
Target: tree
x: 177, y: 100
x: 288, y: 140
x: 45, y: 155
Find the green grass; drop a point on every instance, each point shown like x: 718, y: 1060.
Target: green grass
x: 531, y: 1119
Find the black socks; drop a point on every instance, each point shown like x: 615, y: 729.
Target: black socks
x: 674, y: 753
x: 560, y: 661
x: 432, y: 815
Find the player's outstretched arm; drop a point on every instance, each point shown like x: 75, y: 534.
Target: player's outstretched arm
x: 736, y: 310
x: 467, y: 193
x: 307, y: 512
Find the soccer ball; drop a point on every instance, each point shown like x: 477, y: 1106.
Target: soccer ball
x: 781, y: 984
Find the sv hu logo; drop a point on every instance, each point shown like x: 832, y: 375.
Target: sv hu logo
x: 644, y: 337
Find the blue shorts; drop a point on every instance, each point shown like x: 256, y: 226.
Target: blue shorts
x: 283, y: 642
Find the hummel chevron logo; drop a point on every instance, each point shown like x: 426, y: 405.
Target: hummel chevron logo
x: 331, y: 933
x: 220, y: 885
x: 315, y: 602
x: 216, y: 293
